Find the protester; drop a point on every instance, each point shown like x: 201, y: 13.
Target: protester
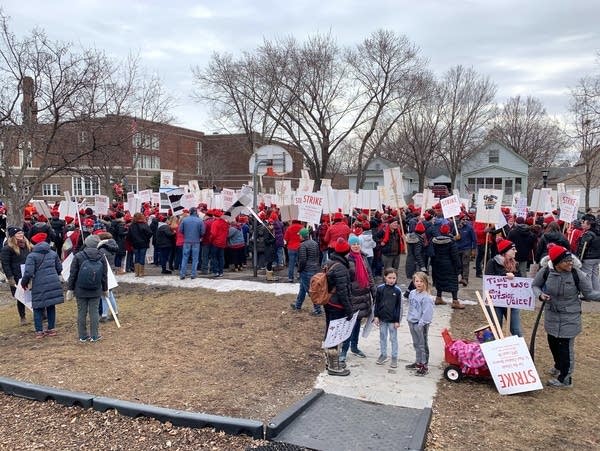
x: 339, y: 306
x: 362, y: 292
x: 88, y: 288
x: 415, y: 254
x: 387, y: 316
x: 419, y: 317
x: 118, y: 231
x: 308, y: 266
x: 42, y: 269
x: 445, y: 267
x: 236, y: 246
x: 292, y: 241
x: 13, y: 255
x: 552, y: 234
x: 192, y: 229
x: 504, y: 264
x: 218, y: 242
x: 558, y: 284
x: 164, y: 243
x: 107, y: 246
x: 588, y: 250
x: 391, y: 244
x: 466, y: 245
x: 139, y: 235
x: 524, y: 240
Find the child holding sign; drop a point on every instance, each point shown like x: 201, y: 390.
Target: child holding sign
x: 419, y: 317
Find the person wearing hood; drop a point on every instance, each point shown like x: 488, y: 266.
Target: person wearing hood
x: 524, y: 241
x: 42, y: 269
x: 559, y: 284
x: 86, y: 290
x: 552, y: 234
x: 504, y: 264
x: 445, y: 267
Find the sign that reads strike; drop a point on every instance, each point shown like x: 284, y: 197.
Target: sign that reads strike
x: 511, y: 365
x: 450, y: 206
x: 515, y: 293
x: 310, y: 206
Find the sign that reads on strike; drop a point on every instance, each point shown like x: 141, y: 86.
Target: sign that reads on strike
x: 515, y: 293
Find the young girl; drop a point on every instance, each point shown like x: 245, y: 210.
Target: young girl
x: 420, y: 314
x: 387, y: 314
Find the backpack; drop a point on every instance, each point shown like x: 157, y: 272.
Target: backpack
x: 90, y: 273
x: 318, y: 289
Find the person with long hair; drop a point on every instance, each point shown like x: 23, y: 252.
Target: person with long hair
x: 419, y: 317
x: 13, y: 255
x: 505, y: 264
x: 139, y: 235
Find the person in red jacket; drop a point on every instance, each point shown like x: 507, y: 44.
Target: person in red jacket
x: 218, y: 242
x: 339, y: 229
x: 292, y: 241
x: 205, y: 249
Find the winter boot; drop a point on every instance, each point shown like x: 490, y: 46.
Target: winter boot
x: 270, y: 277
x: 457, y: 305
x: 439, y: 301
x: 137, y: 269
x: 333, y: 363
x: 141, y: 270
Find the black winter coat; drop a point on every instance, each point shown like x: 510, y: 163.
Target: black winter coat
x: 139, y: 235
x: 445, y: 264
x: 338, y: 277
x: 592, y: 248
x: 119, y: 232
x: 309, y: 257
x: 164, y: 235
x: 415, y: 252
x: 93, y: 254
x: 11, y: 262
x: 547, y: 238
x: 361, y: 298
x: 524, y: 240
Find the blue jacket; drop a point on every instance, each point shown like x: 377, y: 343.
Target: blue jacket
x: 192, y: 229
x: 235, y: 237
x: 43, y: 267
x: 468, y: 240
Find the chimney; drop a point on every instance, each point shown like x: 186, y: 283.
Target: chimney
x: 28, y: 106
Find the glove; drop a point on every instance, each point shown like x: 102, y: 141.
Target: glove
x: 69, y: 295
x: 12, y: 283
x: 105, y: 294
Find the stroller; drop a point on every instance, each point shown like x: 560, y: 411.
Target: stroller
x: 464, y: 358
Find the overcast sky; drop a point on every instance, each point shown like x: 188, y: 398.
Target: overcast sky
x: 528, y: 47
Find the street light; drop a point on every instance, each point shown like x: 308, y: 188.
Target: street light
x: 545, y: 173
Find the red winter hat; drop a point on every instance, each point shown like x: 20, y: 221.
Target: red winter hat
x: 342, y: 246
x: 557, y: 253
x: 427, y: 216
x: 42, y: 218
x: 338, y: 216
x: 504, y: 246
x: 274, y: 216
x: 69, y: 219
x: 444, y: 229
x: 420, y: 227
x: 262, y: 215
x: 39, y: 237
x: 548, y: 219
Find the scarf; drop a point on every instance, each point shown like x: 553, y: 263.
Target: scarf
x: 361, y: 274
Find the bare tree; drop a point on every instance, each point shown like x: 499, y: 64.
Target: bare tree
x: 62, y: 92
x: 523, y: 126
x: 468, y: 109
x: 585, y: 106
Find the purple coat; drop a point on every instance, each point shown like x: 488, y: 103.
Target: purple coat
x: 278, y: 232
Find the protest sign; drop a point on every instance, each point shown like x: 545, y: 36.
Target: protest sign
x: 392, y: 178
x: 511, y: 365
x: 166, y: 178
x: 521, y: 207
x: 228, y: 196
x: 338, y: 331
x: 569, y: 205
x: 515, y: 293
x: 101, y: 204
x: 450, y: 206
x: 41, y: 207
x: 306, y: 185
x: 489, y: 203
x: 23, y: 296
x: 309, y: 207
x: 145, y: 195
x: 418, y: 199
x: 188, y: 200
x: 155, y: 198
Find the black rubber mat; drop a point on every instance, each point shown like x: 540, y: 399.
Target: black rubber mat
x: 338, y: 423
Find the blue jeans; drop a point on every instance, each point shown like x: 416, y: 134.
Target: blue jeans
x: 515, y: 320
x: 194, y: 249
x: 304, y: 284
x: 279, y: 256
x: 204, y: 260
x: 352, y: 341
x: 292, y: 257
x: 38, y: 314
x: 113, y: 301
x: 165, y: 253
x: 218, y: 259
x: 386, y: 329
x: 139, y: 256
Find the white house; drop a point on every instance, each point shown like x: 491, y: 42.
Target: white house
x: 495, y: 167
x: 374, y: 176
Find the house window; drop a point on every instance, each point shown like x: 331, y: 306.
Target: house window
x: 508, y: 187
x: 199, y: 158
x: 494, y: 156
x: 136, y: 140
x: 155, y: 142
x: 83, y: 137
x: 85, y: 186
x: 378, y: 167
x: 518, y: 185
x: 146, y: 162
x: 370, y: 185
x: 497, y: 183
x: 50, y: 189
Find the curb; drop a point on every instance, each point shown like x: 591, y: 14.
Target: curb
x: 419, y: 438
x: 282, y: 420
x: 44, y: 393
x: 229, y: 425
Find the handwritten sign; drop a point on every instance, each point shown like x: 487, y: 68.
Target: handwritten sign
x: 515, y: 293
x: 511, y: 365
x: 568, y: 207
x: 450, y: 206
x: 338, y: 331
x: 310, y: 206
x: 101, y: 204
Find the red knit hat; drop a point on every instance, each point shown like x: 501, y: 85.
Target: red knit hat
x: 39, y: 237
x: 69, y: 219
x: 557, y: 253
x: 42, y: 218
x: 444, y: 229
x: 420, y: 227
x: 504, y: 246
x: 342, y: 246
x: 338, y: 216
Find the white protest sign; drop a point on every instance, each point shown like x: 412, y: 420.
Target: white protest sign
x: 568, y: 207
x: 309, y: 207
x: 67, y: 209
x: 521, y: 208
x: 227, y: 195
x: 66, y: 272
x: 338, y: 331
x: 306, y: 185
x: 450, y: 206
x: 488, y: 206
x: 511, y: 365
x: 41, y: 207
x: 23, y: 296
x: 188, y: 200
x: 345, y: 199
x: 283, y: 189
x: 429, y: 199
x: 166, y: 178
x: 328, y: 199
x: 392, y: 178
x: 418, y: 199
x: 515, y: 293
x: 367, y: 198
x: 155, y: 198
x: 145, y: 195
x: 101, y: 204
x: 547, y: 203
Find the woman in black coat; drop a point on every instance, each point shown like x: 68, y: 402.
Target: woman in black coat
x: 13, y: 255
x: 445, y: 266
x: 139, y: 235
x: 415, y: 254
